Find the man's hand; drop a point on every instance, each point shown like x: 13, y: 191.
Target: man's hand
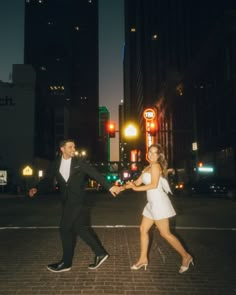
x: 32, y: 192
x: 115, y: 190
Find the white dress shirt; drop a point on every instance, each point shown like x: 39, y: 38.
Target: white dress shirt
x: 65, y: 168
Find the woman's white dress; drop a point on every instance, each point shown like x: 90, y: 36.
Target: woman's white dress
x: 159, y: 205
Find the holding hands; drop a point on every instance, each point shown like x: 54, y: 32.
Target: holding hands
x: 129, y: 185
x: 115, y: 190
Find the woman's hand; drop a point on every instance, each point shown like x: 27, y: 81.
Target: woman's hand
x: 129, y: 185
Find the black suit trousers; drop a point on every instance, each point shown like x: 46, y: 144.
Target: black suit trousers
x: 75, y: 222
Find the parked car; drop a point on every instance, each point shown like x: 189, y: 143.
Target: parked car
x: 215, y: 186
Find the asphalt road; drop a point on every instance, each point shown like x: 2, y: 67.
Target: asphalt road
x: 125, y: 209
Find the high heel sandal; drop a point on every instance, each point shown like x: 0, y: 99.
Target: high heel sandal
x: 136, y: 267
x: 184, y: 268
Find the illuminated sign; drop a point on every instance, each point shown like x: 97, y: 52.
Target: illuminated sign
x: 149, y: 114
x: 206, y: 169
x: 27, y: 171
x: 3, y: 177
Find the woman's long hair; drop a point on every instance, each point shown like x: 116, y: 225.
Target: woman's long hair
x: 161, y: 159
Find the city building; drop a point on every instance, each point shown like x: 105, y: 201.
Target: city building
x: 17, y: 107
x: 104, y: 140
x: 61, y: 43
x: 167, y: 48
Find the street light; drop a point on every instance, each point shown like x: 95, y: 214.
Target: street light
x: 131, y: 131
x: 83, y: 153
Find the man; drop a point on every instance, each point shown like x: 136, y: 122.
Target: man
x: 70, y: 173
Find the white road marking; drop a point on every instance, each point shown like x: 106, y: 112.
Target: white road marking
x: 123, y: 226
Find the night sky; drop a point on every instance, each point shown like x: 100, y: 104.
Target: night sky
x: 11, y: 36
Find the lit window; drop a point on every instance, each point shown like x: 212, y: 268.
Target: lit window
x: 77, y: 28
x: 154, y: 37
x: 133, y: 30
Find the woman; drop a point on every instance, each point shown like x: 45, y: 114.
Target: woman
x: 158, y: 209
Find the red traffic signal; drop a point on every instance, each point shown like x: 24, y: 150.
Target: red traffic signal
x: 151, y: 128
x: 111, y: 129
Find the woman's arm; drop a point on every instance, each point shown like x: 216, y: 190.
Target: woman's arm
x: 155, y: 172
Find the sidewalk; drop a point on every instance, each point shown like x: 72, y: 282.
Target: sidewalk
x: 24, y: 254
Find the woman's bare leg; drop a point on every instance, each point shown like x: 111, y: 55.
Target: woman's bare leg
x: 145, y: 226
x: 164, y: 228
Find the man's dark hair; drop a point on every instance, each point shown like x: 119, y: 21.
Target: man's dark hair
x: 64, y: 141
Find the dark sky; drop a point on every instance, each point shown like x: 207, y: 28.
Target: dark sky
x: 111, y: 43
x: 11, y: 36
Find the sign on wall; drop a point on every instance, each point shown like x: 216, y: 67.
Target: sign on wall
x: 3, y: 177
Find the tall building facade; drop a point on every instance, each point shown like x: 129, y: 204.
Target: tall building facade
x: 17, y: 102
x: 166, y: 53
x: 61, y: 43
x: 104, y: 141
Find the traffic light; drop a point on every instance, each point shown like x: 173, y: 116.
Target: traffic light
x: 111, y: 177
x: 152, y: 128
x: 111, y: 129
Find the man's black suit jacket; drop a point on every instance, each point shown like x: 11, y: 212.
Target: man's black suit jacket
x: 73, y: 189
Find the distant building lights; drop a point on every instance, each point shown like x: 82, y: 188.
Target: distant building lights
x: 154, y: 37
x: 83, y: 153
x: 40, y: 173
x: 194, y: 146
x: 206, y: 169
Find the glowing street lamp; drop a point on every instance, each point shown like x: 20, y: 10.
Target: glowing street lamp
x: 83, y: 153
x: 131, y: 131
